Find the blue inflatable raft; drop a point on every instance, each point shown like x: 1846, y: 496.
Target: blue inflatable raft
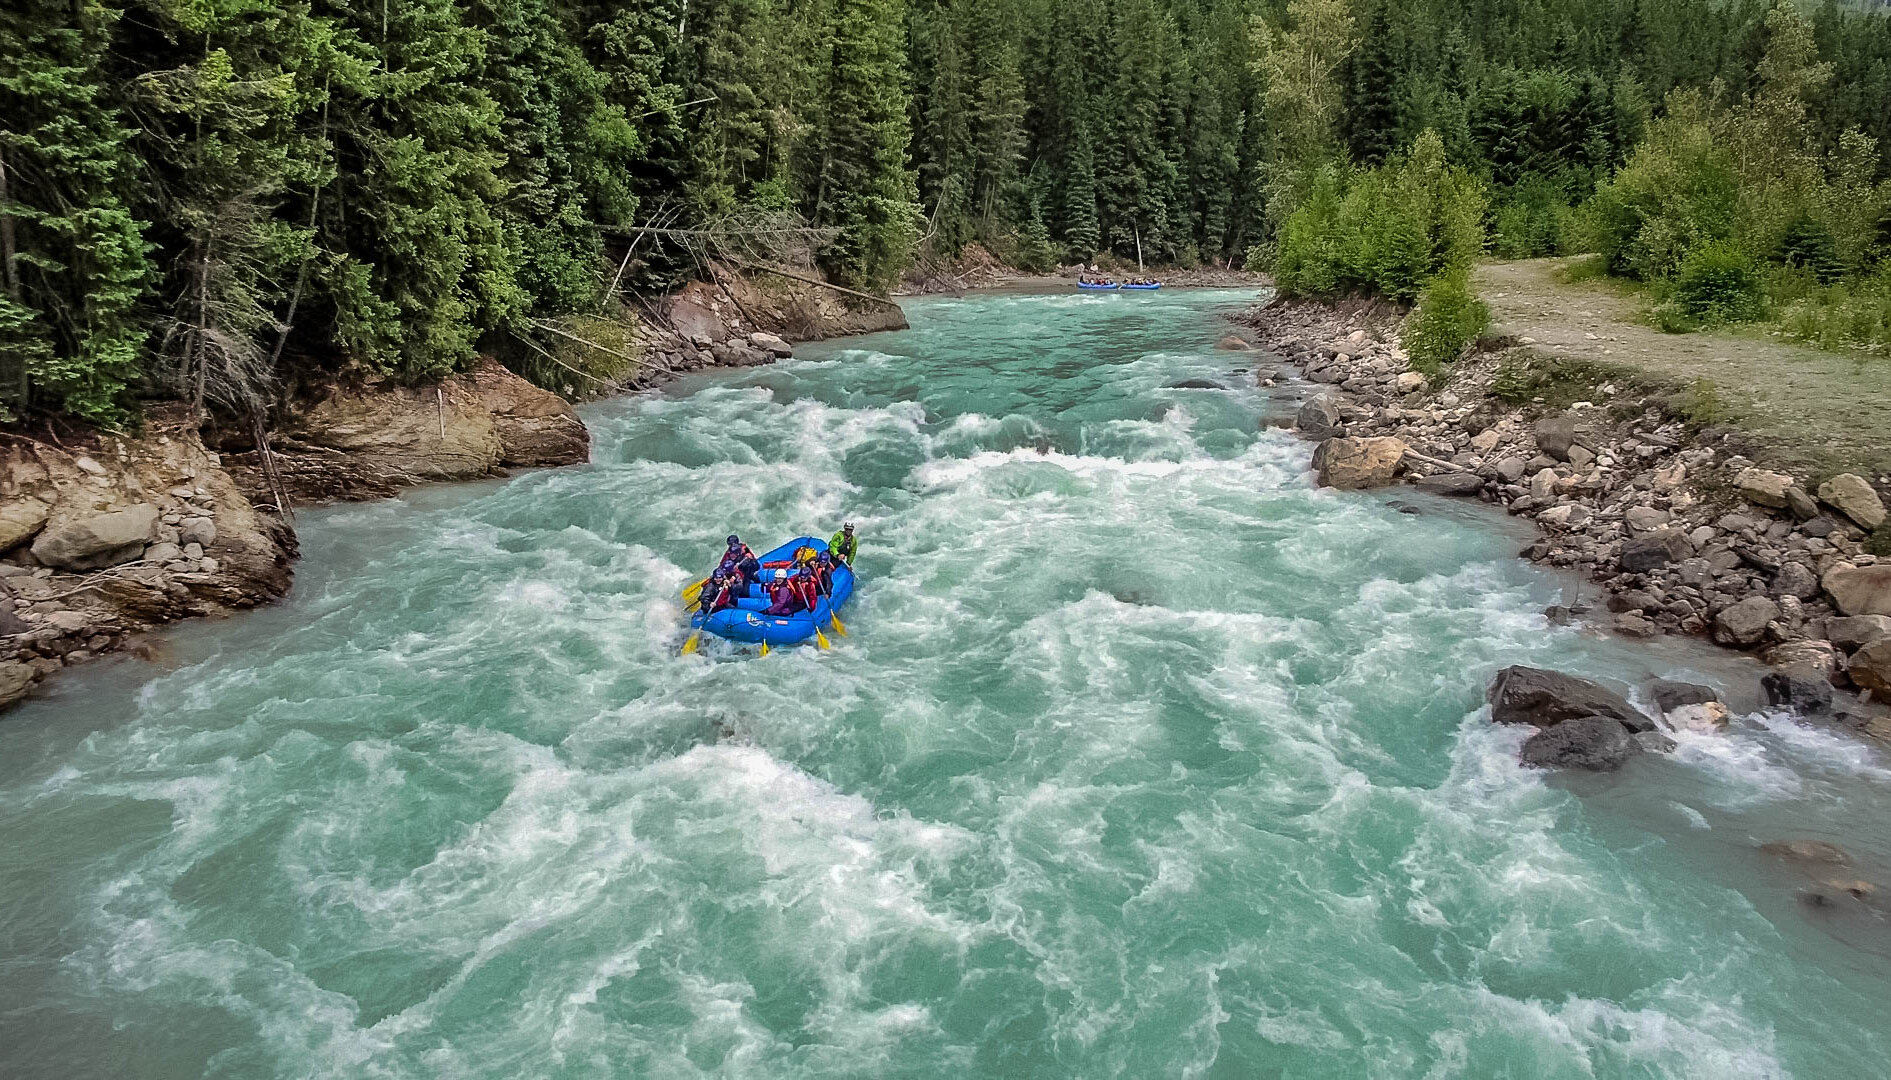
x: 746, y: 622
x: 1145, y: 288
x: 1088, y: 285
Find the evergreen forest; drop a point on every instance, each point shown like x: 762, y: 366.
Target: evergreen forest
x: 199, y: 198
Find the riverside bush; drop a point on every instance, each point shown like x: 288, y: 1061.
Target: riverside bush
x: 1386, y: 231
x: 1448, y: 318
x: 1718, y: 283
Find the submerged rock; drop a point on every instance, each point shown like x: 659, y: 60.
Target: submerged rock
x: 1461, y: 484
x: 1527, y: 695
x: 1194, y: 384
x: 1597, y: 743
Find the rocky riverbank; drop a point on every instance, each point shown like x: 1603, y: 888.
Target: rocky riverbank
x: 119, y: 535
x: 123, y: 534
x: 1684, y: 531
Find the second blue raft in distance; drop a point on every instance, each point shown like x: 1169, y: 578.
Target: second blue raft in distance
x: 746, y: 622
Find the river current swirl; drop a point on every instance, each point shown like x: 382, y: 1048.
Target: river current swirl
x: 1143, y: 758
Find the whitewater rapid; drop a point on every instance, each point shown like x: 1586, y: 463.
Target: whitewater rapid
x: 1143, y: 758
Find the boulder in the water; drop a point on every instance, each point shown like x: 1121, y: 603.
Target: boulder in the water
x: 1357, y: 463
x: 1596, y: 743
x: 1670, y: 695
x: 1527, y: 695
x: 1801, y: 689
x: 1319, y: 419
x: 1195, y: 384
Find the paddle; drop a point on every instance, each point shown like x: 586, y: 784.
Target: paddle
x: 691, y: 592
x: 839, y: 627
x: 690, y: 645
x: 764, y: 648
x: 820, y: 639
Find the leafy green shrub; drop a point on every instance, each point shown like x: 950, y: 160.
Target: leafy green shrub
x: 1448, y: 318
x: 1387, y: 230
x: 1879, y: 542
x: 1845, y: 316
x: 1717, y: 283
x: 1680, y: 190
x: 1532, y: 220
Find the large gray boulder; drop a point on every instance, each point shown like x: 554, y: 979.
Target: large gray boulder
x: 1762, y: 487
x: 20, y: 517
x: 98, y: 540
x: 1853, y: 631
x: 1645, y: 554
x: 1555, y: 435
x: 1319, y: 419
x: 1860, y: 590
x: 1596, y: 743
x: 1744, y: 623
x: 1451, y: 483
x: 1358, y: 463
x: 1850, y: 495
x: 1870, y: 667
x: 1801, y: 689
x: 1527, y: 695
x: 1670, y: 695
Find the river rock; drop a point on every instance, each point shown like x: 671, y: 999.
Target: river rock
x: 1231, y: 343
x: 1410, y: 382
x: 197, y: 530
x: 1797, y: 580
x: 1763, y: 488
x: 1870, y: 667
x: 1802, y: 506
x: 1319, y: 419
x: 1596, y: 743
x: 1859, y: 590
x: 1850, y: 495
x: 1451, y: 483
x: 97, y: 540
x: 1704, y: 717
x: 1511, y: 469
x: 1527, y: 695
x: 1854, y: 631
x: 1645, y: 554
x: 1555, y: 435
x: 1356, y: 463
x: 772, y: 344
x: 1642, y: 520
x: 163, y: 552
x: 1670, y: 695
x: 1808, y: 851
x: 1815, y: 653
x: 1543, y: 486
x: 1803, y: 690
x: 20, y: 518
x: 16, y: 681
x: 1194, y: 384
x: 1744, y: 623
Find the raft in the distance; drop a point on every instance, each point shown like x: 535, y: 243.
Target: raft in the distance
x: 1113, y: 288
x: 746, y: 623
x: 1090, y: 285
x: 1151, y: 287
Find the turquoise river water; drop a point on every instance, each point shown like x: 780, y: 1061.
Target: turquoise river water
x: 1143, y: 759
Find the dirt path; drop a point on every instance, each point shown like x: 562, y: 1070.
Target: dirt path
x: 1824, y: 412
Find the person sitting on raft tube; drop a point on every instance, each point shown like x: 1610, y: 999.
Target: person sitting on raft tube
x: 741, y: 561
x: 722, y: 592
x: 786, y: 597
x: 844, y: 544
x: 824, y: 572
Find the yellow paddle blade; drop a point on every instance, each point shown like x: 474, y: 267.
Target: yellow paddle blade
x: 691, y: 592
x: 690, y: 645
x: 764, y: 648
x: 820, y: 639
x: 839, y: 627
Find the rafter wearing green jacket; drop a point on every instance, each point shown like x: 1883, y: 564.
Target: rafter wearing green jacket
x: 844, y: 543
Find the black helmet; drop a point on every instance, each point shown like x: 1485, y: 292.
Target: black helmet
x: 734, y: 539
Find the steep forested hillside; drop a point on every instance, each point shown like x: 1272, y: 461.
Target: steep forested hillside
x: 196, y: 196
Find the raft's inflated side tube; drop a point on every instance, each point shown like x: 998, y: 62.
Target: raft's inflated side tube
x: 1145, y: 288
x: 745, y: 622
x: 1087, y: 285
